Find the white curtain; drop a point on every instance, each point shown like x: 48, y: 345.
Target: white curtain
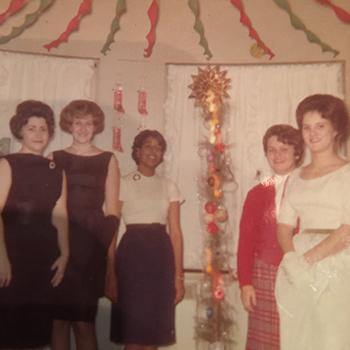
x: 53, y: 80
x: 260, y: 96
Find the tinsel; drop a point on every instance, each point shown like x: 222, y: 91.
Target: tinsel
x: 213, y: 316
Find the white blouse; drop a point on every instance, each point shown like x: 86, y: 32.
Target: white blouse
x: 146, y: 199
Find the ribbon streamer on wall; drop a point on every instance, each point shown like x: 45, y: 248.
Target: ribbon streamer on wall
x: 299, y: 25
x: 152, y: 12
x: 244, y: 19
x: 119, y: 109
x: 73, y: 25
x: 29, y: 20
x: 115, y: 26
x: 198, y: 27
x: 14, y: 7
x: 343, y: 15
x: 142, y: 107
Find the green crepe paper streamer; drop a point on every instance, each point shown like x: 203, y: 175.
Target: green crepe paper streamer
x: 120, y: 10
x: 28, y: 21
x: 298, y: 24
x: 198, y: 27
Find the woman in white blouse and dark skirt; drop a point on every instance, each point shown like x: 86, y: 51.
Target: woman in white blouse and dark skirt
x: 148, y: 259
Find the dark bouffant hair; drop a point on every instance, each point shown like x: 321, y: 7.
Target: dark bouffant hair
x: 31, y: 108
x: 142, y: 137
x: 331, y: 108
x: 80, y: 109
x: 288, y: 135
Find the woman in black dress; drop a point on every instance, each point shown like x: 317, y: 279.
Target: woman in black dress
x: 33, y: 231
x: 93, y: 189
x: 148, y: 259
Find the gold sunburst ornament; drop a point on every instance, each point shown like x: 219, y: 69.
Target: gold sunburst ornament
x: 209, y: 86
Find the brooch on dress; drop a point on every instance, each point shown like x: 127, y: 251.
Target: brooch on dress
x: 52, y: 165
x: 136, y: 177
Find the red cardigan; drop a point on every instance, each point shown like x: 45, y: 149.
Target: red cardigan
x: 258, y: 231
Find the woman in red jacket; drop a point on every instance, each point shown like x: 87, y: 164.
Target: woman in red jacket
x: 259, y: 253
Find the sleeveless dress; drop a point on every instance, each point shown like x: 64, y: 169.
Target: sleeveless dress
x: 84, y: 281
x: 31, y: 242
x: 145, y: 267
x: 313, y: 299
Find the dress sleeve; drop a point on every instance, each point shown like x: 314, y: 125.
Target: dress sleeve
x: 345, y: 215
x: 122, y: 190
x: 247, y: 239
x: 174, y: 194
x: 288, y: 214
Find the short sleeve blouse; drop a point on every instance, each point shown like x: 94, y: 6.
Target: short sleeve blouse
x: 319, y: 203
x: 146, y: 199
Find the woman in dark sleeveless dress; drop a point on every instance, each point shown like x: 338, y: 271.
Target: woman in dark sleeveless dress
x: 33, y: 231
x: 93, y: 186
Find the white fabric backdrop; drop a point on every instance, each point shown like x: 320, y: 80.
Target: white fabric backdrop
x: 260, y: 96
x: 53, y: 80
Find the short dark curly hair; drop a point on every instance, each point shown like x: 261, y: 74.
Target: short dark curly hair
x: 31, y: 108
x: 141, y: 138
x: 80, y: 109
x: 331, y: 108
x: 288, y: 135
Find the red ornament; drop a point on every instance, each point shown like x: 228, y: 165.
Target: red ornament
x: 210, y: 207
x: 220, y: 147
x: 212, y: 228
x: 219, y: 293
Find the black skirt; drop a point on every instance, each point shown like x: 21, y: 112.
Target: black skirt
x: 145, y: 311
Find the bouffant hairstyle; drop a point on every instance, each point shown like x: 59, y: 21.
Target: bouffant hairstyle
x: 31, y: 108
x: 331, y: 108
x: 288, y: 135
x: 81, y: 109
x: 141, y: 138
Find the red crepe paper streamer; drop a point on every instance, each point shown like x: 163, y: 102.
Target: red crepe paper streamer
x: 252, y: 32
x: 73, y: 25
x: 343, y: 15
x: 14, y: 7
x: 151, y: 36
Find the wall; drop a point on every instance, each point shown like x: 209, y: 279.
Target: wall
x: 177, y: 42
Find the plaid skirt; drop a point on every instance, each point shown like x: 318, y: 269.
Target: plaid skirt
x: 263, y: 322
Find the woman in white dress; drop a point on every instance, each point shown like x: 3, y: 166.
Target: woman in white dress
x: 313, y: 281
x: 148, y: 259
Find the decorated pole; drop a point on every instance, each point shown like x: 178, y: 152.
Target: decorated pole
x: 213, y: 318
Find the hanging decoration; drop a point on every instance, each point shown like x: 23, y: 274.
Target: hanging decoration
x: 115, y: 26
x: 14, y: 7
x: 252, y: 32
x: 73, y: 25
x: 198, y: 27
x: 257, y: 50
x: 213, y: 316
x: 151, y: 36
x: 142, y: 107
x: 119, y: 110
x: 299, y: 25
x: 29, y: 20
x: 343, y: 15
